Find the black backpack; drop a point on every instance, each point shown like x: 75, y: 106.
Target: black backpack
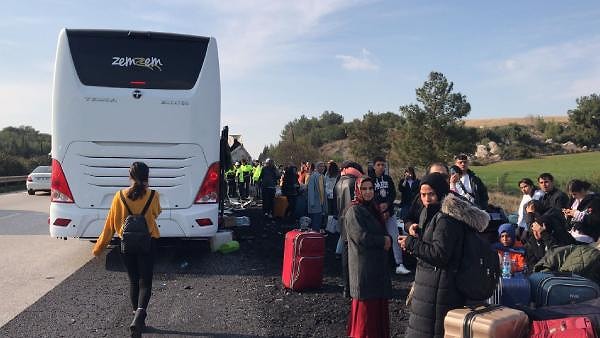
x: 497, y: 218
x: 479, y: 271
x: 136, y: 237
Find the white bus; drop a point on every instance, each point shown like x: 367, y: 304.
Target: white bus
x: 120, y: 97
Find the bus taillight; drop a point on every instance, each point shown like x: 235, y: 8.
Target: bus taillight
x: 60, y: 191
x: 209, y: 190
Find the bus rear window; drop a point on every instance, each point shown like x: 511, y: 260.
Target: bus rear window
x: 137, y: 60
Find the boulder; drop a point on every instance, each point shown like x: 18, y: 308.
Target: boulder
x: 482, y: 152
x: 570, y: 147
x: 494, y: 148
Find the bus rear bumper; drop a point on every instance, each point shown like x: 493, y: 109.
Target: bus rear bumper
x: 174, y: 223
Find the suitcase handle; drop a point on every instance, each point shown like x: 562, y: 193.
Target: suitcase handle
x: 470, y: 317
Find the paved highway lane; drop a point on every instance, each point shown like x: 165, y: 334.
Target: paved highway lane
x: 32, y: 263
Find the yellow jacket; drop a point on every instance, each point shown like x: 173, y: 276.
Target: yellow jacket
x: 118, y: 212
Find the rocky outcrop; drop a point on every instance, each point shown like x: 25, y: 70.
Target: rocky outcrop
x: 570, y: 147
x: 488, y: 153
x: 494, y: 148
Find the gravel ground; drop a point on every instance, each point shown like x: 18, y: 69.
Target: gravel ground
x: 202, y: 294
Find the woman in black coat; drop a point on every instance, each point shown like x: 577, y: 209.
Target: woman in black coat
x: 369, y: 276
x: 289, y: 188
x: 437, y: 243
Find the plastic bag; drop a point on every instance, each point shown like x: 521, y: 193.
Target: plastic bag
x: 332, y: 224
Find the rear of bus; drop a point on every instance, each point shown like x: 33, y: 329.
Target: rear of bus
x: 121, y: 97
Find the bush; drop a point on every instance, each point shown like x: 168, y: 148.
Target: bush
x: 517, y: 151
x: 11, y: 166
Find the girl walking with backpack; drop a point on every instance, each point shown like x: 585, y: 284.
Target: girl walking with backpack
x: 132, y: 216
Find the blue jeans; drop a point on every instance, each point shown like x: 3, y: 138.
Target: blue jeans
x: 315, y: 221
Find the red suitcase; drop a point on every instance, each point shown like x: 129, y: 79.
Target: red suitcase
x: 303, y: 257
x: 572, y: 327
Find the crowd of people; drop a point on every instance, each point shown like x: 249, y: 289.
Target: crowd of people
x: 433, y: 209
x: 436, y: 211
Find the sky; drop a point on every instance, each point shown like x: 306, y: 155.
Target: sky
x: 281, y: 59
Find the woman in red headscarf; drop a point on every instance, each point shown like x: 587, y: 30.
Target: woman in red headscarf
x: 368, y: 246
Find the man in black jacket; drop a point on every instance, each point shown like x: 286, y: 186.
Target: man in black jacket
x: 385, y: 194
x: 553, y: 198
x: 551, y: 203
x: 467, y: 184
x: 269, y: 178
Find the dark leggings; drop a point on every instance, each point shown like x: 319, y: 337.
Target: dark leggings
x: 345, y: 272
x: 291, y: 208
x: 268, y: 197
x: 140, y: 269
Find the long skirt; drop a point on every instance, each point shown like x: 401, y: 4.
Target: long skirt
x: 369, y: 319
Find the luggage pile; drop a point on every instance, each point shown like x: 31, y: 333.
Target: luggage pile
x: 543, y: 304
x: 561, y: 298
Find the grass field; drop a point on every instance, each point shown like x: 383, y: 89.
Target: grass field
x: 503, y: 176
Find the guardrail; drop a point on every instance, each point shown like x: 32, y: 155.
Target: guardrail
x: 11, y: 179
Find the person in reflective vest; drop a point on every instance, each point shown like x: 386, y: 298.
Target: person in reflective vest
x: 230, y: 180
x: 239, y: 178
x: 246, y: 169
x: 256, y: 170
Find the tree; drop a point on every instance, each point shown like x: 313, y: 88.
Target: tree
x: 294, y: 152
x: 371, y: 136
x: 433, y: 128
x: 266, y: 152
x: 584, y: 121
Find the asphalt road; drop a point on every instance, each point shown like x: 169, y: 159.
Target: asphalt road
x: 32, y: 263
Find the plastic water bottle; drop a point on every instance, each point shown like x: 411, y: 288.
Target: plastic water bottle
x: 506, y: 265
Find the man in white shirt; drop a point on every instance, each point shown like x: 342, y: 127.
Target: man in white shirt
x: 464, y: 182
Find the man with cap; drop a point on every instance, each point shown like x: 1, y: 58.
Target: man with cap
x: 464, y: 182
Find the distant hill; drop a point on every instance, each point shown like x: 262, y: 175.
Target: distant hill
x: 527, y: 121
x: 337, y: 150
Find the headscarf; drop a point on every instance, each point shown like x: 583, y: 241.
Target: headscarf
x: 359, y: 200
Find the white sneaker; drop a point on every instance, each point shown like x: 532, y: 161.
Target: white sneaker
x: 401, y: 270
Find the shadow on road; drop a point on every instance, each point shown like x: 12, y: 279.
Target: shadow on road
x: 195, y: 258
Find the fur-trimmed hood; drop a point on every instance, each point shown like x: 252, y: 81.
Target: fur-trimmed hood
x: 466, y: 212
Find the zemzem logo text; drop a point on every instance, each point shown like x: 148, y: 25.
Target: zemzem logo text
x: 151, y: 63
